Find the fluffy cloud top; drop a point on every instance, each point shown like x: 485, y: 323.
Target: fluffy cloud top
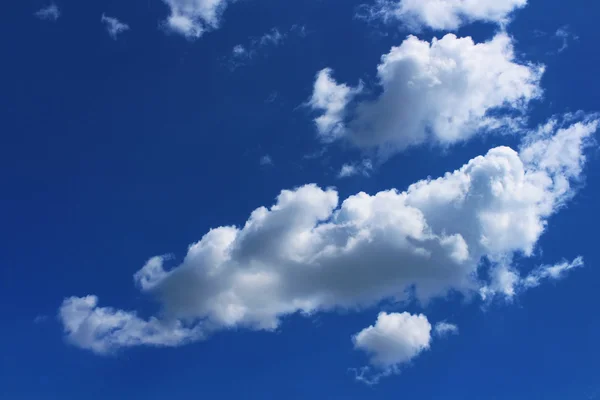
x: 445, y: 14
x: 394, y: 339
x: 192, y: 18
x: 308, y: 253
x: 443, y: 92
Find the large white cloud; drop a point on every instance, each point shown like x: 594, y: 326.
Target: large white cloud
x: 192, y: 18
x: 441, y: 92
x: 308, y: 253
x: 445, y: 14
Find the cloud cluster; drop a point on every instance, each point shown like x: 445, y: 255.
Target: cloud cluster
x: 192, y: 18
x: 444, y: 14
x: 308, y: 253
x: 441, y: 92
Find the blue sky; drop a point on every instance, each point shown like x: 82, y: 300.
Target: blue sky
x: 316, y: 199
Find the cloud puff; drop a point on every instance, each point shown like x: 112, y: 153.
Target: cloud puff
x: 444, y: 328
x: 331, y: 99
x: 564, y: 35
x: 443, y: 92
x: 114, y: 27
x: 444, y: 14
x: 308, y: 253
x: 266, y: 160
x: 364, y: 168
x: 192, y: 18
x: 394, y: 339
x: 50, y: 13
x: 241, y: 54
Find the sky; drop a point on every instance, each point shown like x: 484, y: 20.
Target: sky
x: 264, y: 199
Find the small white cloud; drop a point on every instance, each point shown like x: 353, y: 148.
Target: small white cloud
x: 239, y: 51
x: 242, y: 54
x: 564, y: 35
x: 444, y: 329
x: 192, y: 18
x: 445, y: 14
x: 114, y: 27
x: 365, y: 168
x: 40, y: 319
x: 266, y: 160
x: 274, y: 37
x: 393, y: 341
x: 50, y: 13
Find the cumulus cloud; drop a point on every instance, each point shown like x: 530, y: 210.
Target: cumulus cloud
x: 395, y: 339
x: 444, y: 14
x: 308, y: 253
x: 192, y: 18
x: 444, y: 329
x: 441, y: 92
x: 50, y: 13
x: 114, y: 27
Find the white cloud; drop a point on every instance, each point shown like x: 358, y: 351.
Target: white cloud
x: 444, y: 328
x: 564, y: 35
x: 114, y: 27
x: 331, y: 99
x: 50, y: 13
x: 308, y: 253
x: 444, y: 14
x: 266, y: 160
x: 242, y: 54
x: 104, y: 330
x: 506, y: 281
x: 443, y: 92
x: 395, y: 339
x: 192, y: 18
x: 555, y: 272
x: 364, y: 168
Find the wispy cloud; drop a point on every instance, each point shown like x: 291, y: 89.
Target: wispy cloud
x: 50, y: 13
x: 114, y: 27
x: 266, y: 160
x: 242, y: 54
x: 565, y: 36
